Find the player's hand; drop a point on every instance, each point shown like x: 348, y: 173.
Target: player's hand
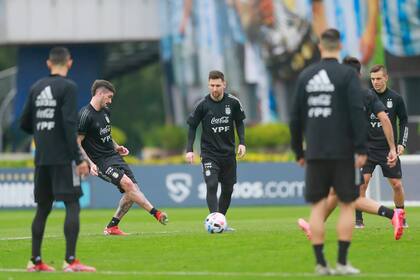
x: 241, y: 151
x: 123, y: 151
x: 82, y: 169
x: 392, y: 158
x: 360, y: 160
x: 189, y: 157
x: 301, y: 162
x: 400, y: 149
x: 93, y: 169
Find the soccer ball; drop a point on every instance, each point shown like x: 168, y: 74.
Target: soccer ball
x: 215, y: 223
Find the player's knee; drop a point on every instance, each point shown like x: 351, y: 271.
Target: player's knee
x: 128, y: 185
x: 396, y: 185
x: 44, y: 208
x: 363, y: 189
x: 227, y: 189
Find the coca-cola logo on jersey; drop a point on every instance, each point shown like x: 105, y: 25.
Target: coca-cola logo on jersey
x: 105, y: 130
x: 219, y: 120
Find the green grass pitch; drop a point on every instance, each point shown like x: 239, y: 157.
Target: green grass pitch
x: 266, y: 245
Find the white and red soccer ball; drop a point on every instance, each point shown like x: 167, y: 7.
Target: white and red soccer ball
x: 215, y: 223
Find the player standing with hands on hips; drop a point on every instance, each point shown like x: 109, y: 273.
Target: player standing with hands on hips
x: 218, y: 112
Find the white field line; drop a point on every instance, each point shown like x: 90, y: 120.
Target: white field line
x: 232, y: 274
x: 94, y: 234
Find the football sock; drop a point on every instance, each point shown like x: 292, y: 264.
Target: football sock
x: 319, y: 254
x: 71, y: 228
x: 225, y: 198
x: 343, y: 248
x: 385, y: 212
x: 153, y: 211
x: 38, y: 226
x: 70, y: 259
x: 211, y: 196
x: 36, y: 260
x: 359, y: 215
x: 114, y: 222
x: 399, y: 207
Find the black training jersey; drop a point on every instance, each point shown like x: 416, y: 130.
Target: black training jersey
x: 50, y: 113
x: 96, y: 127
x: 328, y: 112
x: 395, y: 108
x: 217, y: 119
x: 373, y: 105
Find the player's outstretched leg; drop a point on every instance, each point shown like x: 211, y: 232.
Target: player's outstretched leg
x: 134, y: 194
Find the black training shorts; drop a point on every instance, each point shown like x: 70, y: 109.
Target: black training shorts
x: 323, y: 174
x: 220, y: 169
x: 112, y: 169
x: 56, y: 182
x: 378, y: 157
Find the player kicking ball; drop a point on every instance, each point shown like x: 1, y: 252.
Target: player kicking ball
x: 105, y: 156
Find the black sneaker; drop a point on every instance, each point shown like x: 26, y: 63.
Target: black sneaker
x: 359, y: 224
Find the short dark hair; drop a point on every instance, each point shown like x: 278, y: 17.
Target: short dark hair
x: 102, y: 84
x: 353, y: 62
x: 377, y: 68
x: 59, y: 55
x: 330, y: 39
x: 215, y: 74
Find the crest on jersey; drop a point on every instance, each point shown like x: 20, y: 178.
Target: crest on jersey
x: 227, y: 110
x: 107, y: 119
x: 389, y: 103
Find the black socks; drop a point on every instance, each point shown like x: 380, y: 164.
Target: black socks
x: 114, y: 222
x: 319, y: 254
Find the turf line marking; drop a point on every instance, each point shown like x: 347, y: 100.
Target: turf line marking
x: 93, y: 234
x: 231, y: 274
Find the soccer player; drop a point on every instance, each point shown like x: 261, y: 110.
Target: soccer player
x: 377, y: 144
x: 218, y: 112
x: 50, y: 114
x: 328, y: 113
x: 373, y: 108
x: 105, y: 155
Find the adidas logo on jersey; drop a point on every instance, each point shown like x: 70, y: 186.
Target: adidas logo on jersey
x: 320, y: 83
x: 45, y: 98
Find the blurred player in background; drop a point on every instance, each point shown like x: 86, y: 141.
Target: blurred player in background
x: 373, y: 108
x: 50, y: 114
x: 328, y: 114
x: 378, y: 145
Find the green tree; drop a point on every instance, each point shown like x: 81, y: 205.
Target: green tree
x: 138, y: 105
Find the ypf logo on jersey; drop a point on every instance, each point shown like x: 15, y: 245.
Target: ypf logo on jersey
x: 178, y: 185
x: 227, y: 110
